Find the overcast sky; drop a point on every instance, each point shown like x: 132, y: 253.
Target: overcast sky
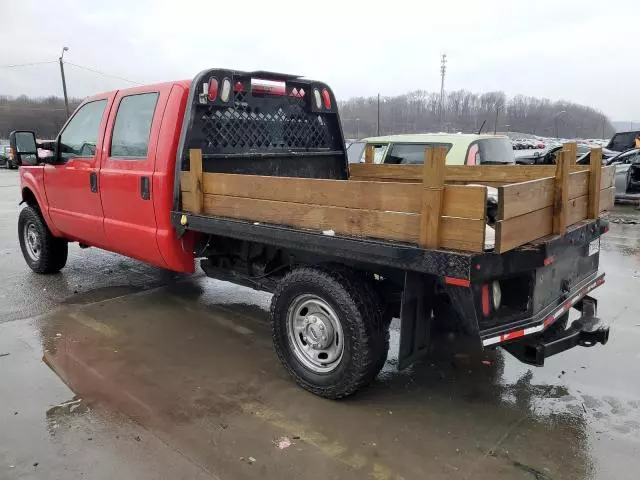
x: 584, y: 51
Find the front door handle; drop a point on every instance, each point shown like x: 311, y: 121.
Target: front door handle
x: 145, y: 190
x: 93, y: 181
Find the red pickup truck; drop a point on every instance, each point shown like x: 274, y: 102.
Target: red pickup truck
x: 113, y: 182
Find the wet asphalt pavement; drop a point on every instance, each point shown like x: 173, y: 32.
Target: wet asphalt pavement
x: 113, y: 369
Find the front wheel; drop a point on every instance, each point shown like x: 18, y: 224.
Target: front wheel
x: 43, y: 252
x: 323, y: 333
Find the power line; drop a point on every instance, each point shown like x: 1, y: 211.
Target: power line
x: 102, y: 73
x: 26, y: 64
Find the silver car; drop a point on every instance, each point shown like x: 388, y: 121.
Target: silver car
x: 627, y: 180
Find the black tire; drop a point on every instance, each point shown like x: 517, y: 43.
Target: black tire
x: 363, y: 338
x: 50, y: 256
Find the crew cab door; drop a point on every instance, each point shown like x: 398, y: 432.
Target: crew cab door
x: 71, y: 183
x: 126, y: 174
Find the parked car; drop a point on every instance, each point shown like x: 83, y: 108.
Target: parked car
x: 623, y: 141
x: 6, y: 157
x: 462, y: 148
x: 627, y: 181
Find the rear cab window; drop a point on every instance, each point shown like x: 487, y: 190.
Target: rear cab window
x: 490, y: 151
x: 410, y: 153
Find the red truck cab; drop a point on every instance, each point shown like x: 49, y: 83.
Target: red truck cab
x: 110, y: 182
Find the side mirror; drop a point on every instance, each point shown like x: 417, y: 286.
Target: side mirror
x: 23, y: 147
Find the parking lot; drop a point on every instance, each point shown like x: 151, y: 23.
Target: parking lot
x: 114, y: 369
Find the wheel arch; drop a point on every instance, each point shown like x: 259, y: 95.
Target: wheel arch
x: 31, y: 198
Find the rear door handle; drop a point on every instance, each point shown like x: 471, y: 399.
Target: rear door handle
x: 93, y: 181
x: 145, y: 190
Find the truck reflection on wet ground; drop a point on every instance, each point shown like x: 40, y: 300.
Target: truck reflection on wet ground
x: 181, y: 372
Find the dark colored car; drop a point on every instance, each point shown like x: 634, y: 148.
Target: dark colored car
x: 623, y: 141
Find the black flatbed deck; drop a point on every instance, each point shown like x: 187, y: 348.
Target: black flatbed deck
x: 444, y: 263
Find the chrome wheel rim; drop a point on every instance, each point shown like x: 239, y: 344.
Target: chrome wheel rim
x: 32, y: 242
x: 315, y: 333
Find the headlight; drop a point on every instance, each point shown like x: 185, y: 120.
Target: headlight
x: 497, y: 294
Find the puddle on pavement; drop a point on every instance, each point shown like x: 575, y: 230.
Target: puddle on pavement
x: 183, y: 374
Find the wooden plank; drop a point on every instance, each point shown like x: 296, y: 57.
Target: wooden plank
x: 432, y: 195
x: 464, y: 201
x: 593, y: 210
x: 607, y: 198
x: 455, y: 233
x: 368, y: 154
x: 608, y: 176
x: 578, y: 184
x: 462, y: 234
x: 577, y: 209
x: 195, y: 175
x: 517, y: 231
x: 459, y: 173
x: 459, y: 201
x: 572, y: 149
x: 524, y: 197
x: 561, y: 194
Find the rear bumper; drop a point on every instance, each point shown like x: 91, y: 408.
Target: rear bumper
x: 587, y: 331
x: 540, y: 322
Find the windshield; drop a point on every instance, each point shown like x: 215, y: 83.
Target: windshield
x: 354, y: 152
x: 494, y: 150
x: 623, y: 141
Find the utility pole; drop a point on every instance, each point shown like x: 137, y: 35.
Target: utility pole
x: 64, y: 82
x: 378, y: 124
x: 443, y: 71
x: 495, y: 125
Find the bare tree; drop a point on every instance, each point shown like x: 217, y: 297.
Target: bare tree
x: 465, y: 111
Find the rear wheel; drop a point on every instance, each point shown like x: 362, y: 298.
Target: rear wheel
x: 324, y: 333
x: 43, y: 252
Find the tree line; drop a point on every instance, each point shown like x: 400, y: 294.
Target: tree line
x: 413, y: 112
x: 463, y: 111
x: 45, y: 116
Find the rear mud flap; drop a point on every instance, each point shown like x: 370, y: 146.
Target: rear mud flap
x: 416, y: 317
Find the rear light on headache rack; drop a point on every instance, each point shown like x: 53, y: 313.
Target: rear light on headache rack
x: 225, y: 91
x: 212, y: 89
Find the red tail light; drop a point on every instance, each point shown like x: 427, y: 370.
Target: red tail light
x: 212, y: 93
x: 486, y: 308
x: 326, y: 98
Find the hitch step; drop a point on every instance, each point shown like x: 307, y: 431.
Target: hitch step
x: 587, y: 331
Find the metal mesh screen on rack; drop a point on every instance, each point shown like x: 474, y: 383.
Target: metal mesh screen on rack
x: 281, y: 124
x: 274, y: 129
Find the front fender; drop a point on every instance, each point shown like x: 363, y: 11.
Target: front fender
x: 32, y: 186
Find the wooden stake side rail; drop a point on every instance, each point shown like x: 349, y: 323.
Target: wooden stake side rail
x: 386, y: 210
x: 458, y: 173
x: 409, y: 203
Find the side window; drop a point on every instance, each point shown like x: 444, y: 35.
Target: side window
x: 411, y: 153
x: 378, y: 152
x: 132, y: 127
x: 80, y: 136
